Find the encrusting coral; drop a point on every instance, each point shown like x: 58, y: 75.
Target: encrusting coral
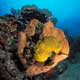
x: 8, y: 23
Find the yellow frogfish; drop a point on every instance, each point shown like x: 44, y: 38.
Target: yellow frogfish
x: 45, y: 48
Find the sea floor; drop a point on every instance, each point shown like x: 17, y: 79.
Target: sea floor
x: 73, y: 70
x: 72, y: 73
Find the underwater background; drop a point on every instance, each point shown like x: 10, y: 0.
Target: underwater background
x: 67, y: 13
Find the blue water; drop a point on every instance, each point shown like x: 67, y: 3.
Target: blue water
x: 66, y: 11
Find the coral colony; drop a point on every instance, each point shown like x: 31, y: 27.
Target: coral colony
x: 28, y: 37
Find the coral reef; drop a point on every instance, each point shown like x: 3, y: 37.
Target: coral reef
x: 14, y: 25
x: 10, y: 26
